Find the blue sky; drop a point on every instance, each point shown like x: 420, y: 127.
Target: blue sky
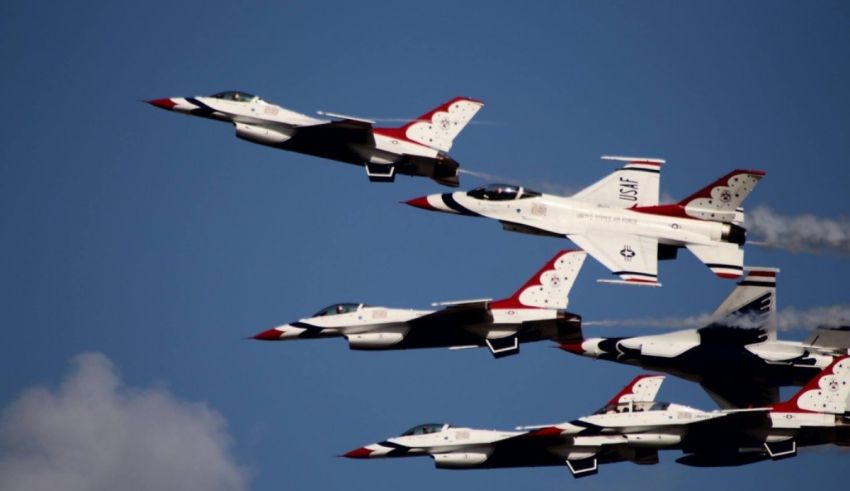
x: 160, y: 240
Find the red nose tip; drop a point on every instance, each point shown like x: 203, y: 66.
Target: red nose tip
x: 547, y: 432
x: 572, y: 348
x: 270, y: 335
x: 421, y: 202
x: 359, y: 453
x: 163, y: 103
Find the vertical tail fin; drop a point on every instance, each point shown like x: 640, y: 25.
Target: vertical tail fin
x: 827, y: 392
x: 440, y: 126
x: 634, y: 184
x: 755, y: 299
x: 721, y: 200
x: 550, y: 286
x: 642, y: 388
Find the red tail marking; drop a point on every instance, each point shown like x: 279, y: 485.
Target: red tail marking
x: 513, y: 302
x: 629, y: 389
x: 790, y: 406
x: 400, y: 133
x: 723, y: 181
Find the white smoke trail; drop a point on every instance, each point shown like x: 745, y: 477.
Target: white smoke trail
x: 799, y: 233
x: 832, y: 316
x: 788, y: 319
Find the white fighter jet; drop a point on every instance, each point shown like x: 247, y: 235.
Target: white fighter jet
x: 618, y: 220
x: 533, y: 313
x: 418, y: 148
x: 736, y: 355
x: 633, y: 427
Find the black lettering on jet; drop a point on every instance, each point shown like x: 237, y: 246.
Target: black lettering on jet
x: 628, y: 189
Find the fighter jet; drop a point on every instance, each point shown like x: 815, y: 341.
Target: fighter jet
x: 418, y: 148
x: 454, y: 447
x: 533, y: 313
x: 633, y: 427
x: 618, y: 220
x: 736, y: 356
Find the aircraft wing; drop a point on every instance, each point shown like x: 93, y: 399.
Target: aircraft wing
x: 348, y: 131
x: 732, y: 430
x: 581, y: 454
x: 728, y: 393
x: 475, y: 312
x: 632, y: 257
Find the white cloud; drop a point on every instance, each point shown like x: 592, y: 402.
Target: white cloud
x: 92, y: 433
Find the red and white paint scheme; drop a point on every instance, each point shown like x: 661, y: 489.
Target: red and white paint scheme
x: 634, y: 427
x: 417, y: 148
x: 618, y: 220
x: 534, y: 312
x: 736, y: 355
x: 577, y: 445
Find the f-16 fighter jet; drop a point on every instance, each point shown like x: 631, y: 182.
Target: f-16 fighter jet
x: 418, y: 148
x: 632, y: 427
x: 618, y: 220
x: 736, y: 357
x: 535, y: 312
x: 454, y: 447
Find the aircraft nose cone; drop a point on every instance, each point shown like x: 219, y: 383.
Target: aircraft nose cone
x: 574, y: 348
x: 162, y: 103
x: 358, y: 453
x: 420, y: 202
x: 270, y: 335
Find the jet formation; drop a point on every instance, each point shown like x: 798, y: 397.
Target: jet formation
x: 735, y: 356
x: 633, y: 427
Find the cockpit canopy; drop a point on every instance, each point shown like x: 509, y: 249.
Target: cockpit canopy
x: 234, y: 95
x: 634, y: 407
x: 339, y: 308
x: 501, y: 192
x: 425, y: 429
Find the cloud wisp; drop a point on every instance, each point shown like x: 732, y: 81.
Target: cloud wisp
x: 93, y: 433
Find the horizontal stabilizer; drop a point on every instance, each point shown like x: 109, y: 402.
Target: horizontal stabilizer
x: 723, y: 259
